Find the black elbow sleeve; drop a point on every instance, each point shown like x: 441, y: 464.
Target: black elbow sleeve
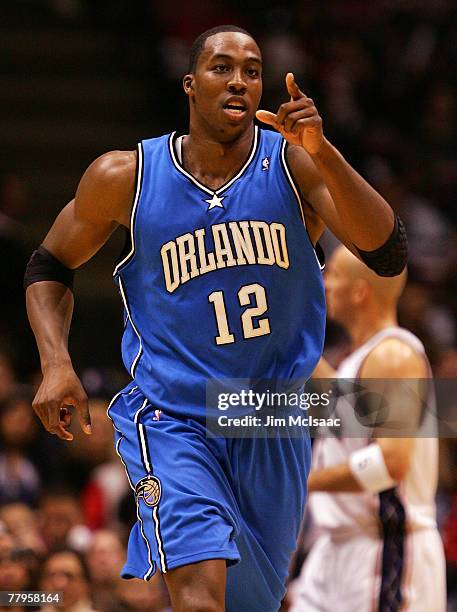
x: 392, y: 256
x: 44, y: 266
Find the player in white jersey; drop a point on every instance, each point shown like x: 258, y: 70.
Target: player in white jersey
x: 372, y: 498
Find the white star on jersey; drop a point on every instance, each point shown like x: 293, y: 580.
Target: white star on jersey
x: 215, y: 201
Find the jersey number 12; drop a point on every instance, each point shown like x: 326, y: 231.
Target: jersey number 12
x: 260, y: 306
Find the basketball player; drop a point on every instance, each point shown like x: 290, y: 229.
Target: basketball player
x: 372, y: 499
x: 217, y: 241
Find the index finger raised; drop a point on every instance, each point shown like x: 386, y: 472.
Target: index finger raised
x: 292, y: 87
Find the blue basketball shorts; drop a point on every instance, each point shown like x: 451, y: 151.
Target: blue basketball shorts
x: 201, y: 498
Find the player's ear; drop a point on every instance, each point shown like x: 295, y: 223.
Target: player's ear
x: 188, y: 83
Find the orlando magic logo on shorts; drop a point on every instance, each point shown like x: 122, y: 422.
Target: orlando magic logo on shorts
x: 150, y: 490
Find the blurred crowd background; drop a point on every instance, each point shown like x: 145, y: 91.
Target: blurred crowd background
x: 81, y: 77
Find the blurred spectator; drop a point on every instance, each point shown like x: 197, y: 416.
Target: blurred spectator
x: 429, y: 235
x: 420, y: 312
x: 6, y: 542
x: 105, y: 482
x: 19, y: 479
x: 13, y: 574
x: 438, y: 137
x: 7, y: 376
x: 15, y: 571
x: 105, y: 559
x: 66, y: 571
x: 21, y: 523
x: 446, y: 366
x: 60, y: 520
x: 102, y: 496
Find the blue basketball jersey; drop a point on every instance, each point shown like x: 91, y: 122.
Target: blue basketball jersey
x: 217, y: 284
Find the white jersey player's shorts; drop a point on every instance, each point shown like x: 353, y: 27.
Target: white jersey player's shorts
x: 345, y: 574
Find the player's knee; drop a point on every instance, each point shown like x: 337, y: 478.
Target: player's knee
x: 199, y: 602
x: 199, y: 587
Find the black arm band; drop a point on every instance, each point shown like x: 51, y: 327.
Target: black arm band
x: 391, y: 257
x: 43, y: 266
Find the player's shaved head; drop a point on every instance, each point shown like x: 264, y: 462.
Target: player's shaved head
x: 199, y: 43
x: 385, y: 290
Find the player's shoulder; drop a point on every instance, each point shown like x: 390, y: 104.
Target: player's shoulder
x: 160, y: 139
x: 107, y: 186
x: 114, y: 166
x: 394, y: 358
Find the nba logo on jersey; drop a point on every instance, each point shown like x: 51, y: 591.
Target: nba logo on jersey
x: 265, y: 164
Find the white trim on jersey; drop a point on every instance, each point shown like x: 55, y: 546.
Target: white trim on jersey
x: 291, y: 180
x: 150, y: 570
x: 144, y: 453
x: 139, y: 180
x: 297, y: 194
x: 196, y: 182
x: 127, y: 310
x: 112, y: 402
x: 155, y: 514
x: 147, y: 465
x: 121, y: 437
x: 119, y: 431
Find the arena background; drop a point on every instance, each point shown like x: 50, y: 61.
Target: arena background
x: 81, y: 77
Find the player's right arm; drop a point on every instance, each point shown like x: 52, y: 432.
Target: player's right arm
x: 102, y: 202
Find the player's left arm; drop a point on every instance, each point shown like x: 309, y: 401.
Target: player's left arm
x: 387, y: 460
x: 343, y: 201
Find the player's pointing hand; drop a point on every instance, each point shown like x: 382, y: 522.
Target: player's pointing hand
x: 298, y: 120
